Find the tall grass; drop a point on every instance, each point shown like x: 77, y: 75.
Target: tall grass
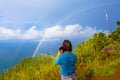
x: 43, y: 67
x: 38, y: 68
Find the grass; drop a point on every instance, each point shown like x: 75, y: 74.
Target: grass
x: 43, y: 67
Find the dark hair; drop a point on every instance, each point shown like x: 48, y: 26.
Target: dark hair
x: 66, y: 46
x: 60, y: 48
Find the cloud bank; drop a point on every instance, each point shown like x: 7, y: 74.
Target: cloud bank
x: 51, y: 33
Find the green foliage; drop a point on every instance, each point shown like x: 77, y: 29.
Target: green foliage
x: 92, y: 60
x: 118, y: 23
x: 37, y: 68
x: 115, y: 36
x: 89, y: 72
x: 99, y: 41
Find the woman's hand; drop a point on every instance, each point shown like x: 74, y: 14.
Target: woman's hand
x: 59, y: 52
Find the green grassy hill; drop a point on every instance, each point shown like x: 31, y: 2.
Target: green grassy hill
x: 98, y: 56
x: 37, y: 68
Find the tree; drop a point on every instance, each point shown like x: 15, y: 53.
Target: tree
x: 118, y: 23
x: 115, y: 35
x: 99, y: 41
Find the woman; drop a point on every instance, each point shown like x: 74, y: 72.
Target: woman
x: 66, y: 59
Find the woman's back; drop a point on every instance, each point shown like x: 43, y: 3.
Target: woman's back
x: 67, y: 63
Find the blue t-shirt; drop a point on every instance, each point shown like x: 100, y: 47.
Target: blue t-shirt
x: 67, y: 63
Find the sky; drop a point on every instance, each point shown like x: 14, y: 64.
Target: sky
x: 52, y: 20
x: 48, y: 22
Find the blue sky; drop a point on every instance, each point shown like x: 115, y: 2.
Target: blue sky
x: 56, y: 19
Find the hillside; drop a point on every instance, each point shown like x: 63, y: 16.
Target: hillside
x: 97, y: 56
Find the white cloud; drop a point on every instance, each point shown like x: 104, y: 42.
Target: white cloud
x: 6, y: 33
x: 51, y: 33
x: 71, y: 32
x: 32, y: 33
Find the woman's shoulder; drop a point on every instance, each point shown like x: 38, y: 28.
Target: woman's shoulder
x: 69, y: 53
